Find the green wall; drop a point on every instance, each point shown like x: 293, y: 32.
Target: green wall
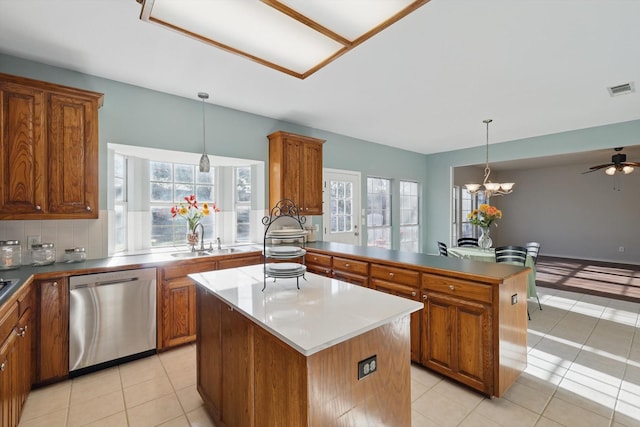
x: 137, y: 116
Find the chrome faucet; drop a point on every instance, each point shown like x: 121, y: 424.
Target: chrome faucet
x: 219, y: 245
x: 193, y: 249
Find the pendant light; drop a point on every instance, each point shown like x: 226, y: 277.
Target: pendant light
x: 490, y: 188
x: 204, y: 160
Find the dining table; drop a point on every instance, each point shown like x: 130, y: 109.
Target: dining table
x: 489, y: 255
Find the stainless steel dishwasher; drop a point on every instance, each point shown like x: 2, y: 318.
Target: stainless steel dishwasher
x: 112, y: 318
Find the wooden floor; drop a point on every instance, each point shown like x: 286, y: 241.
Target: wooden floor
x: 620, y: 281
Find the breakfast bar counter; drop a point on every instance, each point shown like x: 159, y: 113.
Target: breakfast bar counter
x: 330, y: 353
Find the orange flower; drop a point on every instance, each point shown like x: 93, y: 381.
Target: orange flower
x: 485, y: 215
x: 191, y: 212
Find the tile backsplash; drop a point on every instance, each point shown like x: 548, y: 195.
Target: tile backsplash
x: 90, y: 234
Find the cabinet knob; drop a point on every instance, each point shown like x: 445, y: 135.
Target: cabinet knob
x: 88, y: 208
x: 54, y: 284
x: 347, y: 265
x: 452, y: 287
x: 413, y: 293
x: 391, y: 274
x: 315, y: 258
x: 38, y: 207
x: 4, y: 364
x: 424, y: 296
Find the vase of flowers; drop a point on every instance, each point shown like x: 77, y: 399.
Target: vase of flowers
x: 483, y: 217
x: 192, y: 213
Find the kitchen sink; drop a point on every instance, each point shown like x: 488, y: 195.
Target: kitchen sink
x: 208, y: 252
x: 223, y: 251
x: 194, y: 254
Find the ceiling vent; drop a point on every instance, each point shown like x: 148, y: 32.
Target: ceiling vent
x: 621, y: 89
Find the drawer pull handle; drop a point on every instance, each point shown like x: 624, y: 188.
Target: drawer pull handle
x: 391, y: 274
x: 452, y: 287
x: 347, y: 265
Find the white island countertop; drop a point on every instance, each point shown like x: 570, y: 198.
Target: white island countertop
x: 322, y: 313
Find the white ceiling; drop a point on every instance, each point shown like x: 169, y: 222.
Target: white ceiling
x: 424, y: 84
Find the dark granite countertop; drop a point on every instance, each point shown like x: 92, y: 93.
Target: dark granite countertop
x: 489, y: 271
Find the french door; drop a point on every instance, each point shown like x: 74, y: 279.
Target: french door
x: 341, y: 221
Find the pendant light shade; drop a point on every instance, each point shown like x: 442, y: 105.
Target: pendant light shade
x: 490, y: 188
x: 205, y: 166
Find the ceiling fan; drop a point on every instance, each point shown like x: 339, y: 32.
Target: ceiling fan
x: 618, y: 164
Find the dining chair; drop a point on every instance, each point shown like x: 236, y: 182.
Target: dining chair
x: 513, y: 255
x: 533, y: 249
x: 442, y: 248
x: 468, y: 241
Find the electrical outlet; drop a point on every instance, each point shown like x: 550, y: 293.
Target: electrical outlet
x: 367, y: 366
x: 33, y: 240
x: 514, y: 299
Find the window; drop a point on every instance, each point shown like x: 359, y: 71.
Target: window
x: 120, y: 202
x: 341, y: 206
x: 170, y: 183
x: 144, y: 183
x: 409, y: 222
x: 243, y: 203
x: 465, y: 202
x: 379, y: 212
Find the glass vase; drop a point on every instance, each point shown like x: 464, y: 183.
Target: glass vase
x: 192, y: 238
x: 484, y: 241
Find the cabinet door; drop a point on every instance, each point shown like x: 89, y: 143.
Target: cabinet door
x: 178, y: 312
x: 209, y: 350
x: 457, y: 340
x: 292, y: 177
x: 24, y: 349
x: 311, y: 160
x: 237, y: 376
x: 73, y: 157
x: 8, y: 378
x: 53, y: 330
x: 22, y: 150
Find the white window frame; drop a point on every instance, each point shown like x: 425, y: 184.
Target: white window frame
x: 409, y: 228
x: 373, y: 214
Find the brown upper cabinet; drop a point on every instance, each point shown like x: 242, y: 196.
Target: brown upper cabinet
x: 295, y: 171
x: 48, y: 150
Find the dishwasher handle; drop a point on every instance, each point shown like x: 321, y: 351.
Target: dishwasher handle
x: 105, y: 283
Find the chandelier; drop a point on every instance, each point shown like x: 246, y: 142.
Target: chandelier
x: 490, y: 188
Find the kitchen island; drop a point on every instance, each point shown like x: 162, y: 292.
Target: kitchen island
x: 328, y: 354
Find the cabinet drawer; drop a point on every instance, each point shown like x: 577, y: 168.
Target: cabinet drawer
x: 240, y: 261
x: 410, y: 292
x: 318, y: 259
x: 350, y: 266
x: 397, y: 275
x: 187, y: 268
x: 460, y: 288
x: 8, y: 320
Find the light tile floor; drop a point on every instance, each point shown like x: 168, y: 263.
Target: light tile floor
x: 583, y: 370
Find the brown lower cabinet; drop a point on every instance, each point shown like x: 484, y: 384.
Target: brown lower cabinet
x: 16, y: 369
x: 177, y: 296
x: 457, y: 339
x: 468, y: 330
x: 52, y: 349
